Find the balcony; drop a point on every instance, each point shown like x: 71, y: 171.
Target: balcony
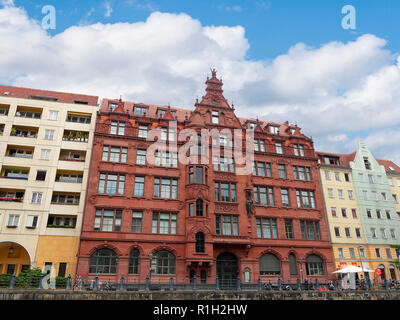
x: 55, y: 221
x: 69, y: 176
x: 19, y: 173
x: 59, y: 198
x: 28, y: 112
x: 77, y: 117
x: 25, y: 132
x: 12, y: 195
x: 4, y: 108
x: 75, y: 136
x: 19, y: 152
x: 72, y: 155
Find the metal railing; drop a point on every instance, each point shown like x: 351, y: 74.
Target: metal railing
x: 12, y: 282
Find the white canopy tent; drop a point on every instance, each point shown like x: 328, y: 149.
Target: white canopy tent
x: 352, y: 269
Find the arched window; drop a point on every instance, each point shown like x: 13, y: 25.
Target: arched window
x: 292, y: 265
x: 247, y: 275
x: 134, y: 261
x: 103, y: 261
x: 199, y: 207
x: 269, y: 264
x: 200, y: 245
x: 203, y: 276
x: 164, y: 262
x: 314, y: 265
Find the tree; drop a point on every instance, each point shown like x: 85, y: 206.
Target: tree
x: 397, y: 261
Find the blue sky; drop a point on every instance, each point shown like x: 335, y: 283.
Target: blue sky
x: 281, y: 60
x: 272, y: 26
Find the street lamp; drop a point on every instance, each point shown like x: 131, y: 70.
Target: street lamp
x: 301, y: 269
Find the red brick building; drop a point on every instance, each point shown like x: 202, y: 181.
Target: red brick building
x: 180, y: 220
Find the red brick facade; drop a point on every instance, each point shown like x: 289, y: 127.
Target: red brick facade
x: 241, y: 239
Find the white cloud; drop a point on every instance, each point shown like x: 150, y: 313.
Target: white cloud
x: 334, y: 92
x: 109, y: 9
x: 235, y: 8
x: 7, y: 3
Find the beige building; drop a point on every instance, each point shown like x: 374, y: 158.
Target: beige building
x: 341, y: 207
x: 45, y: 149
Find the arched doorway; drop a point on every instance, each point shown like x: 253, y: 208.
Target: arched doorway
x: 383, y: 274
x: 227, y: 270
x: 392, y: 271
x: 13, y: 258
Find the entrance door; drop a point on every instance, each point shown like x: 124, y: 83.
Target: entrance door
x: 227, y: 270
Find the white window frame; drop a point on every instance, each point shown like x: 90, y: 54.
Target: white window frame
x: 51, y: 115
x: 37, y: 197
x: 13, y: 220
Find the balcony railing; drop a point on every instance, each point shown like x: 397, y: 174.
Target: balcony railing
x: 12, y: 199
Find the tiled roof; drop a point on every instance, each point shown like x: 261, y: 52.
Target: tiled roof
x: 63, y: 97
x: 389, y: 165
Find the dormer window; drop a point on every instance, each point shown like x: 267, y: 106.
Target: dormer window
x: 140, y: 111
x: 215, y: 117
x: 251, y: 125
x: 161, y: 112
x: 292, y: 131
x: 112, y: 105
x: 274, y: 129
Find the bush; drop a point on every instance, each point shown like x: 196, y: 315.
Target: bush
x: 5, y: 280
x: 61, y: 282
x: 29, y: 278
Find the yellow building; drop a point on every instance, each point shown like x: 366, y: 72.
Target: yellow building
x: 45, y: 149
x: 342, y: 212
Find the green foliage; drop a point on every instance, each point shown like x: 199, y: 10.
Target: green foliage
x: 397, y: 261
x: 5, y: 280
x: 29, y: 278
x: 61, y: 282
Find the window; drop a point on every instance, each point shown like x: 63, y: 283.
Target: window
x: 285, y: 197
x: 264, y: 196
x: 365, y: 195
x: 164, y: 223
x: 215, y: 117
x: 166, y: 159
x: 165, y: 188
x: 49, y: 134
x: 383, y: 194
x: 112, y: 105
x: 269, y: 265
x: 378, y: 214
x: 361, y: 177
x: 225, y: 192
x: 191, y: 209
x: 274, y: 129
x: 352, y: 253
x: 305, y: 199
x: 226, y: 225
x: 370, y: 178
x: 330, y: 193
x: 394, y: 198
x: 327, y: 175
x: 65, y: 198
x: 140, y: 111
x: 108, y: 220
x: 361, y: 252
x: 114, y: 154
x: 314, y: 265
x: 393, y: 233
x: 310, y: 230
x: 31, y: 221
x: 278, y: 148
x: 289, y: 229
x: 354, y: 213
x: 333, y: 212
x: 388, y: 214
x: 340, y: 194
x: 199, y: 207
x: 346, y: 177
x: 369, y: 214
x: 45, y: 154
x: 200, y: 242
x: 383, y: 233
x: 117, y: 128
x: 367, y: 164
x: 139, y: 187
x: 266, y: 228
x: 347, y: 232
x: 142, y: 132
x: 103, y: 261
x: 301, y: 173
x: 298, y: 150
x: 282, y: 171
x: 62, y: 268
x: 13, y: 220
x: 141, y: 157
x: 136, y: 221
x: 163, y: 262
x: 134, y: 262
x: 388, y: 253
x: 37, y: 197
x: 373, y: 232
x: 350, y: 193
x: 378, y: 252
x: 337, y: 232
x: 344, y: 213
x: 111, y: 183
x: 358, y: 233
x: 340, y: 252
x: 224, y: 164
x: 337, y: 176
